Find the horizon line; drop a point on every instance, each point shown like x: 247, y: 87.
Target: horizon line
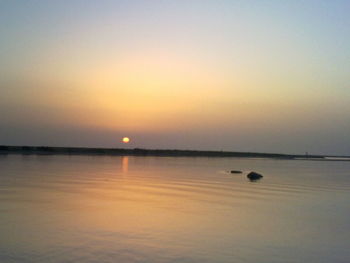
x: 27, y: 149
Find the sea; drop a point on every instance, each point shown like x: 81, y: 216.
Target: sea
x: 62, y: 208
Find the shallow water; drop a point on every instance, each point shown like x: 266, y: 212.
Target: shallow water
x: 160, y: 209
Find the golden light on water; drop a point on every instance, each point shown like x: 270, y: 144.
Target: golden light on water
x: 126, y: 140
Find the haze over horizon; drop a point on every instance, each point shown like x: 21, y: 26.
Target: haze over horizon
x: 258, y: 76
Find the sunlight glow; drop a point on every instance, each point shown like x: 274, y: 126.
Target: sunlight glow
x: 126, y: 140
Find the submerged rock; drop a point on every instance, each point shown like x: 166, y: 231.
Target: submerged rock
x: 253, y: 176
x: 236, y: 172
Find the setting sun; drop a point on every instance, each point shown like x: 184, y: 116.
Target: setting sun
x: 175, y: 131
x: 126, y: 140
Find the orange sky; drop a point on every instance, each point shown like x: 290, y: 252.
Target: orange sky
x: 194, y: 75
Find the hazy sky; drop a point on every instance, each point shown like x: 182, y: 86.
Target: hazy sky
x: 268, y: 76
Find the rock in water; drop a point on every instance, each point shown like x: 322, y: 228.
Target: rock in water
x: 236, y: 172
x: 253, y: 176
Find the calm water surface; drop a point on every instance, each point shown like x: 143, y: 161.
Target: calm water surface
x: 160, y: 209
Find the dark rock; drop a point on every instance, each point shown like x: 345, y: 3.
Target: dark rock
x: 253, y: 176
x: 236, y: 172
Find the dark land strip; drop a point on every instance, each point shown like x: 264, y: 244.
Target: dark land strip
x: 40, y: 150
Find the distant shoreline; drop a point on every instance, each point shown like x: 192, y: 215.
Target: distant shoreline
x: 46, y: 150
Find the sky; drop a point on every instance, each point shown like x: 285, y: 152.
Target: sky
x: 261, y: 76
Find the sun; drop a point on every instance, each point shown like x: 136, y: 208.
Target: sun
x: 126, y: 140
